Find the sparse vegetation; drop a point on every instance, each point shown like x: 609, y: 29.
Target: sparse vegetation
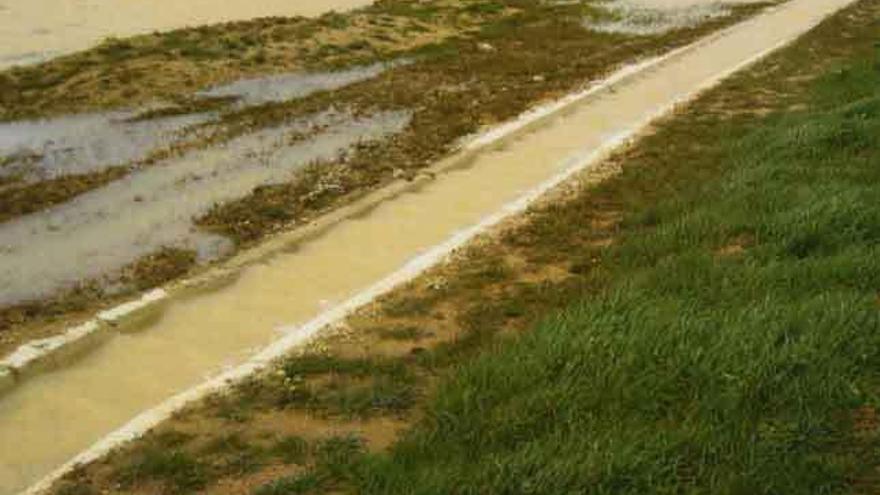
x: 175, y: 470
x: 331, y: 386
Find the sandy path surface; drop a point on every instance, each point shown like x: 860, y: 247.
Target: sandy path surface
x: 32, y: 30
x: 51, y: 417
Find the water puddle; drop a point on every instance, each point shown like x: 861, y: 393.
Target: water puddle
x: 44, y: 149
x: 103, y: 230
x: 35, y: 150
x: 283, y: 87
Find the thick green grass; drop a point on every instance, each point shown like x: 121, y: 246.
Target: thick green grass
x: 731, y: 355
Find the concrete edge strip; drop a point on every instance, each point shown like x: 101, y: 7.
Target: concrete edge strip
x: 41, y: 354
x: 299, y: 335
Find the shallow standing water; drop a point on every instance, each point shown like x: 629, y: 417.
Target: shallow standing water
x: 53, y: 416
x: 33, y: 30
x: 101, y: 231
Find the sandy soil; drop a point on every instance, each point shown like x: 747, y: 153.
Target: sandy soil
x: 56, y: 415
x: 33, y: 30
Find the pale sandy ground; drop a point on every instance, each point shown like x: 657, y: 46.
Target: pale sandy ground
x: 32, y: 30
x: 51, y: 417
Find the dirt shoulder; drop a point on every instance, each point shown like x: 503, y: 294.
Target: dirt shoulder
x: 310, y: 424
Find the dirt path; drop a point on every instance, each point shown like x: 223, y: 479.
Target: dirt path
x: 53, y: 416
x: 34, y: 30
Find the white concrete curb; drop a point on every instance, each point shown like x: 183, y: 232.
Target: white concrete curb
x: 44, y: 354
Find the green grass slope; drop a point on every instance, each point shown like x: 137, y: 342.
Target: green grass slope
x: 738, y: 351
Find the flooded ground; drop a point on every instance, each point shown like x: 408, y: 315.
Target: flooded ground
x: 53, y: 416
x: 95, y: 234
x: 42, y: 149
x: 35, y: 30
x: 108, y: 228
x: 35, y: 150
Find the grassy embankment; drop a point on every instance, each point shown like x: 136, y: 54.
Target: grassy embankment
x: 736, y: 351
x: 719, y: 328
x: 536, y: 51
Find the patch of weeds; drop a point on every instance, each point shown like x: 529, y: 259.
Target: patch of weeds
x: 232, y: 455
x: 170, y: 439
x: 479, y: 273
x: 177, y: 471
x: 76, y: 482
x: 377, y: 395
x: 155, y: 269
x: 328, y: 386
x: 333, y: 460
x: 291, y: 450
x: 75, y: 299
x: 354, y: 388
x: 465, y: 345
x: 334, y: 20
x: 18, y: 200
x: 238, y: 405
x: 75, y: 488
x: 411, y: 305
x: 336, y: 455
x: 319, y: 364
x: 403, y: 333
x: 292, y: 485
x: 483, y: 8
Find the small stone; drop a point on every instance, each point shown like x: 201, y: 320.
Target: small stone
x: 485, y: 47
x: 538, y: 78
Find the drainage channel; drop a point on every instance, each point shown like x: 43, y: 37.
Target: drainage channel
x: 53, y: 416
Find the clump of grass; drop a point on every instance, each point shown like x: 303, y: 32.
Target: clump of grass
x: 75, y: 488
x: 291, y: 485
x: 377, y: 395
x: 328, y: 386
x: 335, y: 456
x: 291, y: 450
x: 162, y: 266
x: 330, y: 468
x: 176, y: 470
x: 403, y: 333
x: 233, y: 455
